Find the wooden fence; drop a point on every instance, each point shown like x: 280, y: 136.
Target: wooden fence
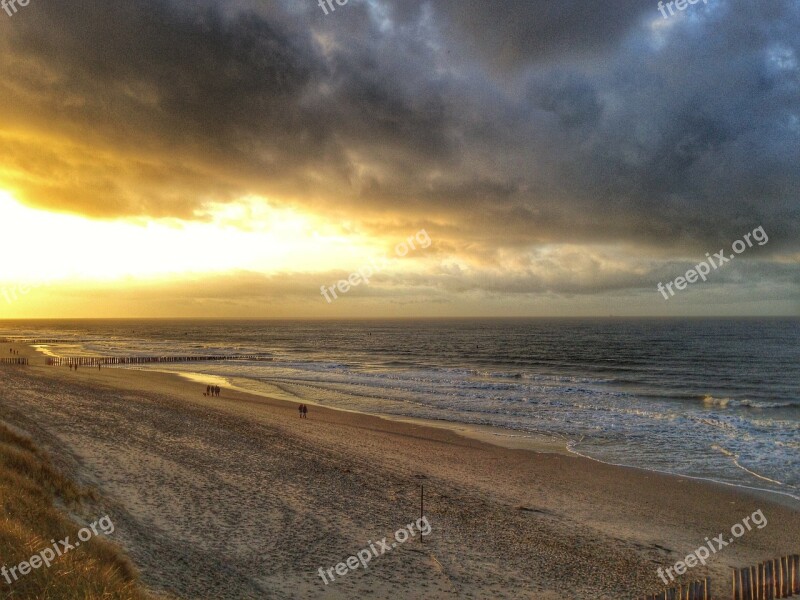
x: 778, y: 578
x: 94, y: 361
x: 697, y: 590
x: 770, y: 580
x: 13, y: 361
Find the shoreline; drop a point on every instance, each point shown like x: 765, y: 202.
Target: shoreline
x: 485, y: 433
x: 492, y: 435
x: 727, y: 471
x: 182, y: 471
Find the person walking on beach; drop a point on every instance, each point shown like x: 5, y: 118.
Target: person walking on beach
x: 305, y: 411
x: 217, y: 391
x: 300, y: 410
x: 208, y: 390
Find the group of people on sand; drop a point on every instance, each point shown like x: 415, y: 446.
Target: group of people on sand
x: 12, y: 351
x: 303, y: 411
x: 212, y: 390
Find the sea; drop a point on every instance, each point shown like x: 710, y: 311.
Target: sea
x: 716, y: 399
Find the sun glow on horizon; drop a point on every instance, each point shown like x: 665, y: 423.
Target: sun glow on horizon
x: 246, y: 235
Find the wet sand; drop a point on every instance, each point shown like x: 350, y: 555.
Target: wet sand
x: 236, y: 497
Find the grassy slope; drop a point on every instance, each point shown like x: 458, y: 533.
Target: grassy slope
x: 29, y: 489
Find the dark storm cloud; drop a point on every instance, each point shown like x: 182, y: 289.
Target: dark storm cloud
x: 686, y: 137
x: 511, y: 124
x: 511, y: 33
x: 225, y: 103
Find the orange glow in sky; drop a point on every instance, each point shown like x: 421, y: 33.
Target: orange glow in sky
x: 248, y: 235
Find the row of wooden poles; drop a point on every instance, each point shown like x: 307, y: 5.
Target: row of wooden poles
x: 13, y: 361
x: 93, y: 361
x: 33, y: 341
x: 778, y: 578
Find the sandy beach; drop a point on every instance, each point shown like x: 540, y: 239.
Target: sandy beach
x: 236, y: 497
x: 533, y: 267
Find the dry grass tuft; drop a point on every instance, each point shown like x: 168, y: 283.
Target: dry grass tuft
x: 29, y: 487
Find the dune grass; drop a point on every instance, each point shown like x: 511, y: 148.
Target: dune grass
x: 30, y: 490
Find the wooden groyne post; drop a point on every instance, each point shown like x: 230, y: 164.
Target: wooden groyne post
x: 35, y: 341
x: 93, y: 361
x: 14, y: 361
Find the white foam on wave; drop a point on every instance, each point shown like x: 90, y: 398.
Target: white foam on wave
x: 571, y: 447
x: 735, y: 459
x: 710, y: 400
x: 624, y: 428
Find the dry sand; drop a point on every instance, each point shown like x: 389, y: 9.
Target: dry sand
x: 236, y: 497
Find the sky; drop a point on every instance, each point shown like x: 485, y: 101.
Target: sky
x: 412, y: 158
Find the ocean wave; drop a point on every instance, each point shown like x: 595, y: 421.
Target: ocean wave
x: 731, y: 403
x: 736, y: 461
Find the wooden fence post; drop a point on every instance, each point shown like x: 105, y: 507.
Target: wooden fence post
x: 746, y: 584
x: 734, y: 588
x: 796, y: 571
x: 770, y: 580
x: 776, y: 579
x: 785, y: 576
